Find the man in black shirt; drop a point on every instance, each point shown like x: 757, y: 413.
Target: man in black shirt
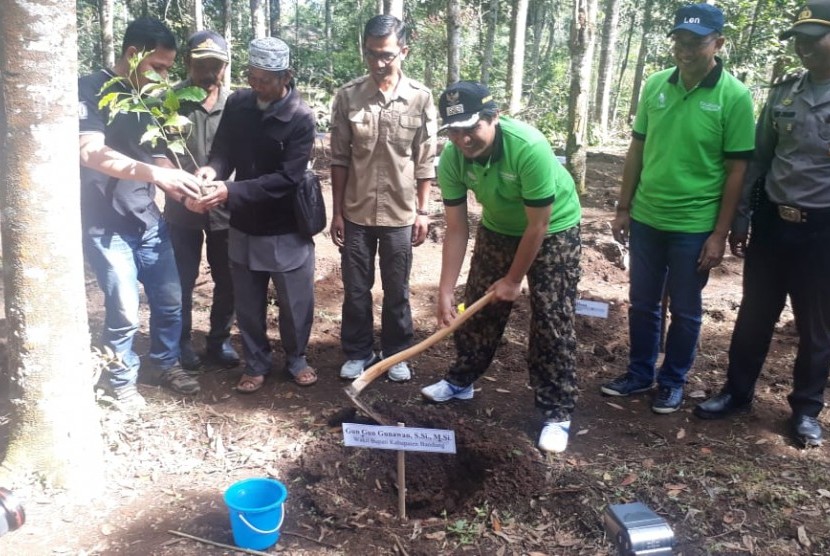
x: 125, y: 240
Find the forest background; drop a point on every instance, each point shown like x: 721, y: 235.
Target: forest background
x: 575, y: 75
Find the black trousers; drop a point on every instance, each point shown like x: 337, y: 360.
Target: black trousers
x: 785, y: 258
x: 187, y: 246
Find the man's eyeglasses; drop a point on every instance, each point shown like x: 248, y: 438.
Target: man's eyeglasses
x: 692, y: 46
x: 385, y: 57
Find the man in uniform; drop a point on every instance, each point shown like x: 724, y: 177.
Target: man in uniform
x: 529, y: 227
x: 125, y: 238
x: 682, y: 178
x: 265, y: 137
x: 206, y: 60
x: 789, y: 247
x: 382, y: 166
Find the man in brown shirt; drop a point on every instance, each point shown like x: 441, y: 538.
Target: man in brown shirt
x: 382, y: 166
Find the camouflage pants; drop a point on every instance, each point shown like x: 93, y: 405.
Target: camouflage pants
x: 553, y: 278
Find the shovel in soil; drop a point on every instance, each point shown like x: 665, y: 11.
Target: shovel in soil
x: 370, y: 374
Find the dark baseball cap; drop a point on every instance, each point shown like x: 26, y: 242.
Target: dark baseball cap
x: 700, y: 19
x: 813, y: 20
x: 207, y: 44
x: 461, y: 103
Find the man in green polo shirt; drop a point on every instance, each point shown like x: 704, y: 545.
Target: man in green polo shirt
x: 692, y: 138
x: 529, y: 227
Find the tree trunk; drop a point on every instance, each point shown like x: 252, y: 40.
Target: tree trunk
x: 258, y: 27
x: 487, y: 57
x: 517, y: 55
x: 641, y: 59
x: 327, y: 32
x: 106, y: 15
x: 393, y: 7
x: 276, y: 14
x: 582, y: 55
x: 602, y: 103
x: 540, y: 12
x: 453, y: 42
x: 55, y: 432
x: 198, y: 15
x: 623, y: 67
x: 227, y: 32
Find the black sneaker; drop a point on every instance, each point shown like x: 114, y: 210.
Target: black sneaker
x: 179, y: 381
x: 625, y: 385
x: 189, y: 360
x: 668, y: 399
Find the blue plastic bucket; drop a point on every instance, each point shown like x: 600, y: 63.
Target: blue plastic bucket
x: 256, y: 509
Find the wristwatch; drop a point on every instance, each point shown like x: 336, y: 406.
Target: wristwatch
x: 422, y: 212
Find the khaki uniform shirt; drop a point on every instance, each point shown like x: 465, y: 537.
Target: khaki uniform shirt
x: 387, y: 141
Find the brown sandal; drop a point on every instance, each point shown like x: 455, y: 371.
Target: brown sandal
x: 249, y: 384
x: 306, y: 377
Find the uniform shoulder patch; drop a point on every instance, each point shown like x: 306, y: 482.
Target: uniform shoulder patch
x: 787, y: 78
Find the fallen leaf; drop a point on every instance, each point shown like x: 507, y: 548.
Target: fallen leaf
x: 824, y: 492
x: 749, y: 543
x: 581, y: 432
x: 629, y: 479
x: 675, y: 486
x: 615, y: 406
x: 648, y: 463
x: 697, y: 394
x: 681, y: 434
x: 728, y: 518
x: 761, y: 441
x: 803, y: 539
x: 502, y: 391
x: 495, y: 522
x: 491, y: 379
x: 436, y: 536
x: 705, y: 450
x: 673, y: 493
x: 606, y: 477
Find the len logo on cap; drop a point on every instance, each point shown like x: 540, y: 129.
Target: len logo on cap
x: 805, y: 14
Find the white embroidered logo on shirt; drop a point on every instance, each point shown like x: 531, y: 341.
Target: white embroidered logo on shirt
x: 709, y: 106
x: 83, y: 112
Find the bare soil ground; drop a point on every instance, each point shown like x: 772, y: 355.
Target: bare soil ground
x: 733, y: 487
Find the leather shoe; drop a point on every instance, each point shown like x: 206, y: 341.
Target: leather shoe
x: 806, y: 430
x: 223, y: 354
x: 188, y: 358
x: 721, y: 405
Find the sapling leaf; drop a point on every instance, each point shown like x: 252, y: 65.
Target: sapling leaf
x: 177, y: 121
x: 107, y: 100
x: 171, y: 102
x: 152, y: 134
x: 153, y: 75
x: 191, y: 94
x: 150, y: 88
x: 176, y: 146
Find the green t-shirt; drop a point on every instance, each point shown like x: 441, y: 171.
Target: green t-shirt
x: 688, y: 136
x: 522, y: 171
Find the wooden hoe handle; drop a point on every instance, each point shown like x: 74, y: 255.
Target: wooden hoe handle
x: 380, y: 367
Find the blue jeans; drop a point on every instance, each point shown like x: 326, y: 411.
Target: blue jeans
x: 120, y: 262
x: 664, y: 261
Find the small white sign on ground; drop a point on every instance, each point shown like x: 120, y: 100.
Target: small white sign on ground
x: 592, y: 308
x: 399, y: 438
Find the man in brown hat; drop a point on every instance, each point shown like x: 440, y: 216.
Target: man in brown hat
x: 190, y: 227
x: 789, y: 247
x: 265, y: 137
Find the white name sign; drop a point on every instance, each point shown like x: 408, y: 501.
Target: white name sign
x: 592, y: 308
x: 399, y: 438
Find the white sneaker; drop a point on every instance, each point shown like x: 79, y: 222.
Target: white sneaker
x: 352, y: 368
x: 554, y: 436
x: 399, y: 372
x: 443, y: 391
